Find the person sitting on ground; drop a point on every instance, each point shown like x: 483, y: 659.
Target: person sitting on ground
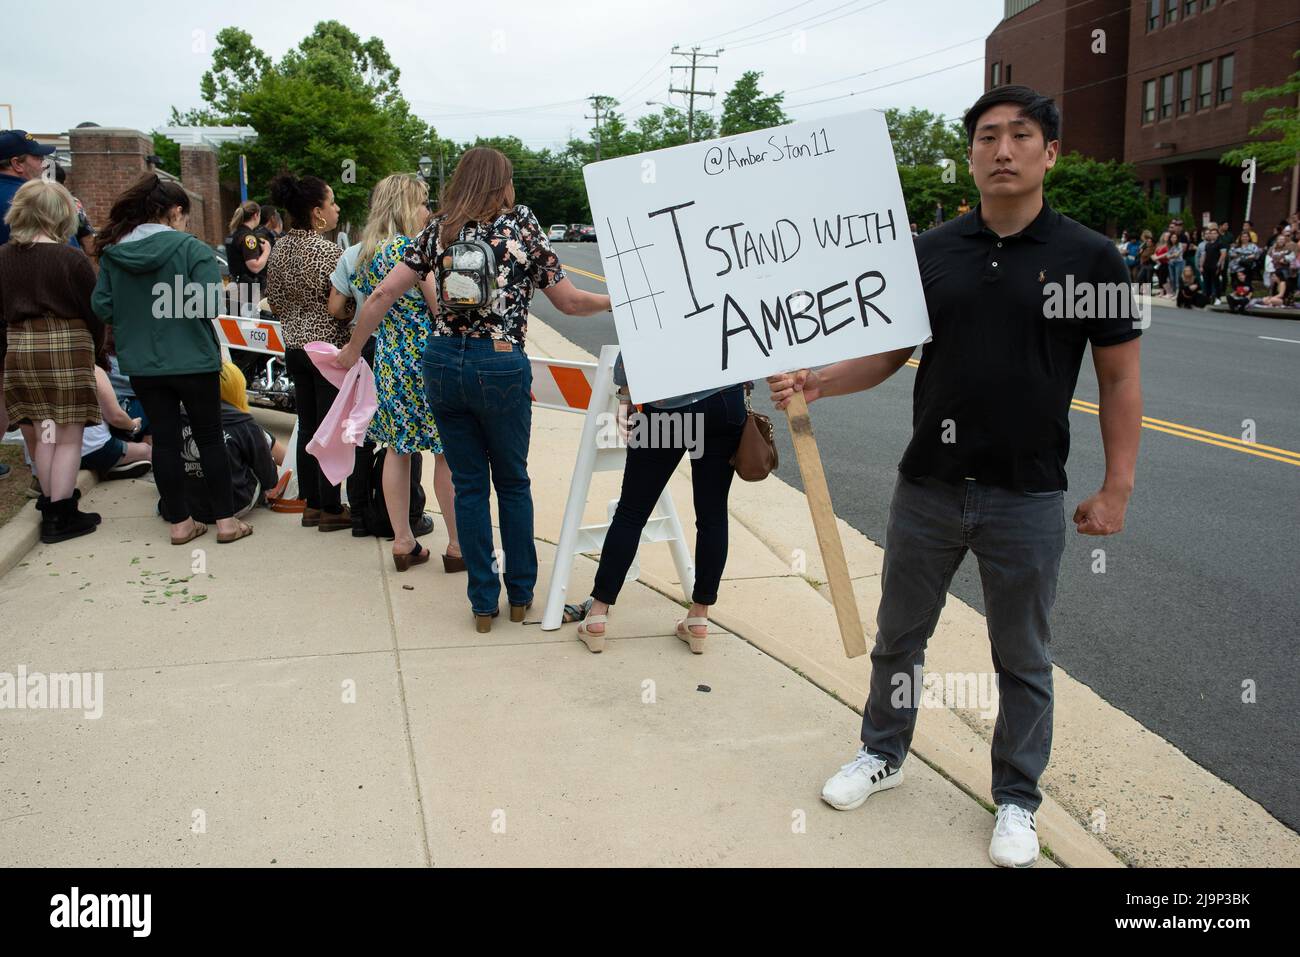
x: 1189, y: 291
x: 104, y: 453
x: 1239, y: 291
x: 252, y: 452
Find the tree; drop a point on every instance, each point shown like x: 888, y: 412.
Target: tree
x: 745, y: 108
x: 1273, y: 155
x: 237, y: 67
x: 922, y: 138
x: 331, y: 107
x: 1104, y: 195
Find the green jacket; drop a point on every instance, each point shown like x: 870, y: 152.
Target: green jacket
x: 160, y: 295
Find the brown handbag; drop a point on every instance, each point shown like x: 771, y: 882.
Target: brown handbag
x: 756, y: 457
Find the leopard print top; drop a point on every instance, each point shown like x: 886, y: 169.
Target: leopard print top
x: 298, y: 287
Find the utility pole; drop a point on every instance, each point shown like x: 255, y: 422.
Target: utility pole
x: 691, y: 92
x: 600, y: 104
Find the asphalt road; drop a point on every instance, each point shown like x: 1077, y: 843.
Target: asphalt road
x: 1201, y: 591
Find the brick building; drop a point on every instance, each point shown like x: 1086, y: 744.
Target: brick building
x: 1160, y: 88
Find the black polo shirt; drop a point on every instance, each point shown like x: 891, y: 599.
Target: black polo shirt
x: 992, y: 395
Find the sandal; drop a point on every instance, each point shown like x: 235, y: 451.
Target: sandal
x: 685, y: 634
x: 574, y: 613
x: 595, y: 642
x: 417, y: 556
x: 198, y: 529
x: 244, y: 531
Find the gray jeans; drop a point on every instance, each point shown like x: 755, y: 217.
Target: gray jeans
x: 1018, y: 538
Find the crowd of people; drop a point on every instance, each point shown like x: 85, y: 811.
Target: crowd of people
x: 1198, y: 268
x: 101, y: 375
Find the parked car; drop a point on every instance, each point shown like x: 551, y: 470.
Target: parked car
x: 586, y: 234
x: 558, y: 233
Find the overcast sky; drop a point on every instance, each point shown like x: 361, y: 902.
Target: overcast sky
x: 119, y: 64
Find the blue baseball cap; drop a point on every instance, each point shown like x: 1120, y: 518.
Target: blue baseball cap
x: 21, y: 143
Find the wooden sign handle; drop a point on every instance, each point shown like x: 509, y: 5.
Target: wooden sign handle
x: 828, y: 533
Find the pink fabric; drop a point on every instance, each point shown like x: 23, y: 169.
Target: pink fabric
x: 344, y: 428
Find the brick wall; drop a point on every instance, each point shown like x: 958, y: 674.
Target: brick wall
x: 105, y: 161
x: 199, y: 176
x: 1050, y: 47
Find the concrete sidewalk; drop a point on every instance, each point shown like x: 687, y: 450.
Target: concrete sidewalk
x: 1114, y: 791
x: 291, y: 700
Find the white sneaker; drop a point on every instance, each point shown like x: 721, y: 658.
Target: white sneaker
x: 858, y: 780
x: 1015, y: 838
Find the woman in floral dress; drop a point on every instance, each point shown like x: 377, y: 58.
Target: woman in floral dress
x: 403, y: 423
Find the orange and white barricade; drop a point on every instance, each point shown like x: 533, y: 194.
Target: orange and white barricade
x: 588, y: 388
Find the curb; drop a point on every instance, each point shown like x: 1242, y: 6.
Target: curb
x: 946, y: 745
x: 20, y: 534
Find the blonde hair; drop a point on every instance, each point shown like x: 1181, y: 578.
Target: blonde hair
x: 41, y: 208
x: 243, y: 213
x: 396, y: 208
x: 481, y: 187
x: 234, y: 387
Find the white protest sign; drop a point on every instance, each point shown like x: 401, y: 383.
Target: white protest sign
x: 733, y: 259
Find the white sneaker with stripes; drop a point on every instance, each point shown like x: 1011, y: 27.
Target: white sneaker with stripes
x: 1015, y: 837
x: 858, y: 780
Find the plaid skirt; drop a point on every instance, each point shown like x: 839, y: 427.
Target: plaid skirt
x: 50, y: 373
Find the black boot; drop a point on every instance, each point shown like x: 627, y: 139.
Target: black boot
x: 42, y: 503
x: 61, y: 521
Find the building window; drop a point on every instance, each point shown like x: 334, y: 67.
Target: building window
x: 1149, y: 101
x: 1153, y: 15
x: 1207, y: 4
x: 997, y: 74
x: 1205, y: 89
x: 1171, y: 12
x: 1189, y: 7
x: 1166, y: 96
x: 1225, y: 77
x: 1185, y: 92
x: 1008, y: 74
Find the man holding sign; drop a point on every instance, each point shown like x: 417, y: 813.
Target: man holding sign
x: 985, y: 469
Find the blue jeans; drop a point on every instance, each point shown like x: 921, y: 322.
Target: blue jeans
x: 1018, y: 538
x: 482, y: 401
x: 1175, y: 275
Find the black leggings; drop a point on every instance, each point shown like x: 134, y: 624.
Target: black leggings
x: 161, y: 396
x: 721, y: 418
x: 312, y: 395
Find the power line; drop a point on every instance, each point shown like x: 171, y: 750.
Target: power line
x: 755, y: 23
x: 691, y: 92
x: 807, y: 24
x: 906, y: 79
x: 598, y: 103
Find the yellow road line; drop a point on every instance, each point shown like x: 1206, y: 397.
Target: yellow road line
x: 1156, y: 425
x: 582, y: 272
x: 1092, y: 406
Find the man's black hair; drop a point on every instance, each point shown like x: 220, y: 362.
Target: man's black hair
x: 1033, y: 106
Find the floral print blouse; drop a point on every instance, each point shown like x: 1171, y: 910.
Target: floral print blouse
x: 525, y: 263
